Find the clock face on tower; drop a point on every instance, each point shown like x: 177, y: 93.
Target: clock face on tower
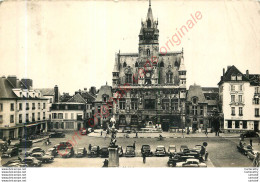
x: 147, y: 74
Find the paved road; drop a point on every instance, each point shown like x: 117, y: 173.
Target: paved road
x: 222, y: 151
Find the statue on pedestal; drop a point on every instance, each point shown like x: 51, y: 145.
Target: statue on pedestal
x: 113, y: 133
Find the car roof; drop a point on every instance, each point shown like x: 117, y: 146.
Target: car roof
x: 160, y: 146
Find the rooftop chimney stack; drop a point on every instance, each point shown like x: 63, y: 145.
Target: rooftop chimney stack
x: 223, y: 71
x: 56, y: 94
x: 247, y: 73
x: 12, y: 80
x: 27, y: 82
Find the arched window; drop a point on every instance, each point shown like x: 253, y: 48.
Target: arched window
x: 128, y: 78
x: 148, y: 52
x: 149, y: 23
x: 169, y: 77
x: 136, y: 64
x: 176, y: 64
x: 162, y: 64
x: 239, y: 77
x: 124, y: 64
x: 166, y: 104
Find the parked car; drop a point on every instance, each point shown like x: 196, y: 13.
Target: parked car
x: 249, y: 134
x: 244, y: 149
x: 190, y: 152
x: 178, y: 158
x: 197, y: 148
x: 172, y: 149
x: 252, y: 154
x: 10, y: 152
x: 160, y: 151
x: 146, y: 149
x: 94, y: 152
x: 34, y: 150
x: 17, y: 164
x: 43, y: 158
x: 3, y: 146
x: 32, y: 162
x: 130, y: 151
x: 57, y: 135
x: 183, y: 147
x: 191, y: 163
x: 8, y: 163
x: 24, y: 144
x: 63, y: 145
x: 104, y: 151
x: 81, y: 152
x: 69, y: 152
x: 120, y: 151
x: 52, y: 152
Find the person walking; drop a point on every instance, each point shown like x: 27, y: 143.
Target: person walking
x: 9, y: 141
x: 206, y: 132
x: 136, y: 135
x: 101, y: 133
x: 251, y: 142
x: 134, y: 145
x: 89, y: 147
x: 144, y: 158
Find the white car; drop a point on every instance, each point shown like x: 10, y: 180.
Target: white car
x: 191, y: 163
x: 252, y: 154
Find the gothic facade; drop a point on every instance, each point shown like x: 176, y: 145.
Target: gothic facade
x: 157, y: 83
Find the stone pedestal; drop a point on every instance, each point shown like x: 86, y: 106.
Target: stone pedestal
x: 113, y: 160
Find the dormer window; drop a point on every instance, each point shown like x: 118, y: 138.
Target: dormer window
x: 162, y: 64
x: 194, y: 100
x: 239, y: 77
x: 233, y: 77
x: 21, y: 94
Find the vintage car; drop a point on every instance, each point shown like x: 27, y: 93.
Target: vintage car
x: 130, y: 151
x: 94, y: 152
x: 177, y: 158
x: 244, y: 149
x: 8, y: 163
x: 172, y: 149
x: 81, y: 152
x: 160, y: 151
x: 32, y: 162
x: 17, y: 164
x: 146, y: 149
x: 104, y: 151
x: 57, y: 135
x: 252, y: 154
x: 198, y: 148
x: 68, y: 152
x: 183, y: 147
x: 34, y: 150
x: 43, y: 158
x: 24, y: 144
x: 11, y: 152
x: 190, y: 152
x: 249, y: 134
x: 120, y: 151
x: 191, y: 163
x: 52, y: 152
x: 63, y: 145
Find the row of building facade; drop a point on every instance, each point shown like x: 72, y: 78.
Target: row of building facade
x: 156, y: 96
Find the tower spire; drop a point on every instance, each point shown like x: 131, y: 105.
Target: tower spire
x: 149, y: 3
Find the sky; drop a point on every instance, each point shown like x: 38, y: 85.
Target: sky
x: 72, y: 44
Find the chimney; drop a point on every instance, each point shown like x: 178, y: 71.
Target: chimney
x: 228, y: 67
x: 93, y: 90
x: 247, y: 73
x: 223, y: 71
x: 27, y: 82
x: 56, y: 94
x: 12, y: 79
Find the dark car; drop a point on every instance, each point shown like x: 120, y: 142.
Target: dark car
x: 8, y: 163
x: 104, y: 151
x: 183, y: 147
x: 244, y: 149
x: 172, y: 149
x: 146, y: 149
x: 69, y: 152
x: 57, y: 135
x: 11, y: 152
x: 249, y: 134
x: 130, y: 151
x: 177, y: 158
x: 52, y: 152
x: 43, y: 158
x: 24, y: 144
x: 34, y: 150
x: 160, y: 151
x: 81, y: 152
x: 94, y: 152
x: 63, y: 145
x: 32, y: 162
x: 120, y: 151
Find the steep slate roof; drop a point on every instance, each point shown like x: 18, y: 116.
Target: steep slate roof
x: 254, y: 79
x: 196, y: 91
x: 105, y: 89
x: 46, y: 91
x: 88, y: 96
x: 230, y: 71
x: 77, y: 98
x: 6, y: 91
x: 210, y: 89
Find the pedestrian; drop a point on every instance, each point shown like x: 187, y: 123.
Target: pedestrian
x: 144, y: 158
x: 134, y: 145
x: 9, y: 141
x: 136, y: 135
x: 206, y: 132
x: 188, y: 131
x: 89, y: 147
x: 206, y: 156
x: 101, y: 133
x: 251, y: 142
